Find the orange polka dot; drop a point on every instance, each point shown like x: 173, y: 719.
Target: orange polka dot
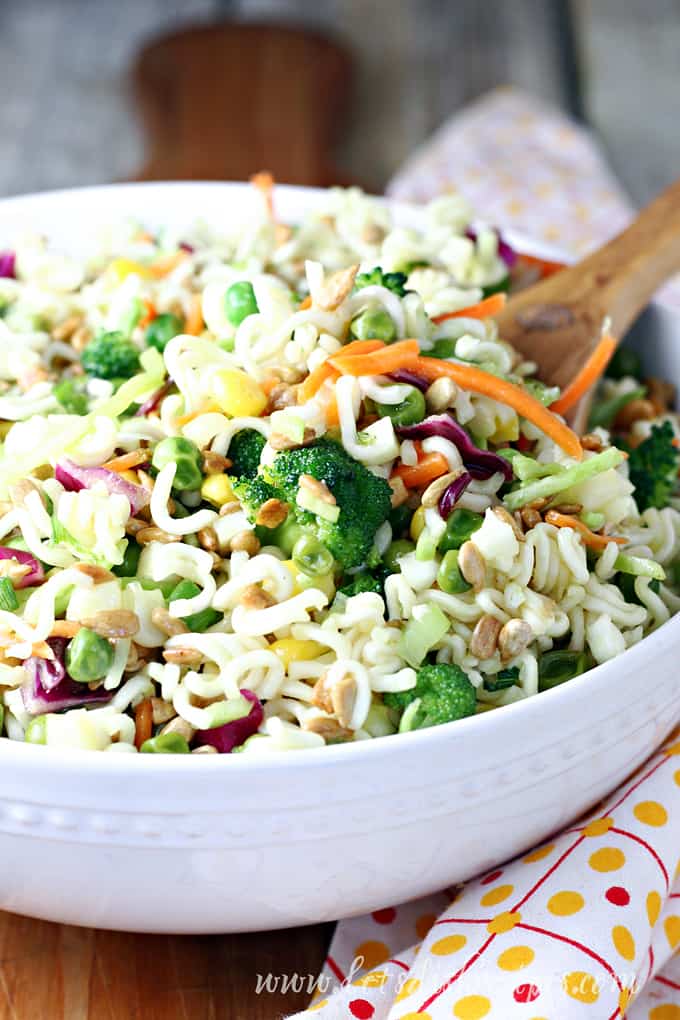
x: 424, y: 923
x: 409, y: 986
x: 581, y: 986
x: 676, y: 777
x: 374, y: 979
x: 672, y: 928
x: 608, y: 858
x: 540, y: 854
x: 506, y: 921
x: 598, y: 827
x: 650, y: 812
x: 672, y: 749
x: 653, y: 908
x: 516, y: 958
x: 667, y: 1011
x: 624, y: 943
x: 565, y: 903
x: 448, y: 945
x: 472, y: 1007
x: 496, y: 895
x: 371, y: 954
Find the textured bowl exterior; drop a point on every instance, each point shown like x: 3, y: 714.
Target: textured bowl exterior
x: 213, y: 844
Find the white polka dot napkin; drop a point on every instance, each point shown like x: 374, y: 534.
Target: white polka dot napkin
x: 587, y: 926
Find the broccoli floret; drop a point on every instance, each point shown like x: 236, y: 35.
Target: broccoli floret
x: 442, y: 694
x: 245, y: 451
x: 376, y: 278
x: 110, y: 356
x: 253, y: 492
x: 363, y: 582
x: 653, y: 468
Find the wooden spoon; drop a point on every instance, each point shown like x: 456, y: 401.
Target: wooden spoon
x: 558, y: 322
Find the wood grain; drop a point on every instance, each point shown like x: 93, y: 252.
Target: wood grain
x: 55, y: 972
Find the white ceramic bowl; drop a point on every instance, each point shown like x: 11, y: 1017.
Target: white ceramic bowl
x: 213, y: 844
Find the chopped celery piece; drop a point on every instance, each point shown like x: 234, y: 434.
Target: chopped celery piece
x: 308, y: 501
x: 593, y: 519
x: 424, y: 630
x: 426, y: 546
x: 604, y: 412
x: 8, y: 597
x: 526, y: 468
x: 640, y: 566
x: 408, y: 719
x: 567, y: 477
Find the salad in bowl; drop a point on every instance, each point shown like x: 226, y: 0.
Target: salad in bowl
x: 284, y: 485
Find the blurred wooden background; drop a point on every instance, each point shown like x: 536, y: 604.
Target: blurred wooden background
x: 66, y: 112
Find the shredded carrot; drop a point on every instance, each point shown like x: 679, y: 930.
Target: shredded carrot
x: 470, y: 378
x: 482, y: 310
x: 589, y: 537
x: 150, y: 313
x: 547, y: 267
x: 264, y: 182
x: 305, y: 303
x: 128, y: 460
x: 379, y: 362
x: 165, y: 265
x: 194, y: 324
x: 415, y: 476
x: 143, y: 722
x: 65, y: 628
x: 587, y: 377
x: 315, y: 380
x: 331, y: 412
x: 269, y: 384
x: 208, y: 408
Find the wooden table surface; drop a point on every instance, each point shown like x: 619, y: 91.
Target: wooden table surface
x: 55, y: 972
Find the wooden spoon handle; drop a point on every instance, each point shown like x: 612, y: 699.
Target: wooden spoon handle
x: 630, y: 268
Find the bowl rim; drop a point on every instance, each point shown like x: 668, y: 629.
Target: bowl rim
x: 482, y: 724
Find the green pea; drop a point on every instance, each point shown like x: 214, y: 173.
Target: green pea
x: 460, y: 525
x: 88, y: 656
x: 409, y: 411
x: 165, y: 743
x: 444, y: 348
x: 36, y: 731
x: 311, y: 557
x: 186, y: 455
x: 240, y: 302
x: 399, y: 548
x: 373, y: 324
x: 449, y: 577
x: 400, y: 518
x: 197, y: 622
x: 161, y: 331
x: 128, y: 568
x: 286, y: 535
x: 555, y: 668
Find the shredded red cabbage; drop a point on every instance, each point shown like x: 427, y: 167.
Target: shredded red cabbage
x: 453, y: 492
x: 49, y: 688
x: 402, y: 375
x: 8, y: 262
x: 505, y: 251
x: 154, y: 400
x: 74, y: 478
x: 480, y: 463
x: 36, y: 574
x: 233, y: 734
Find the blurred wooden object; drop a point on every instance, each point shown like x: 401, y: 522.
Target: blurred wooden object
x: 54, y: 972
x: 225, y: 100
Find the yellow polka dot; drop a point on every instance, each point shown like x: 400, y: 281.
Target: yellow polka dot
x: 581, y: 986
x: 624, y: 942
x: 676, y: 777
x: 472, y: 1007
x: 317, y: 1005
x: 416, y: 1016
x: 609, y: 858
x: 374, y: 979
x: 538, y: 855
x: 424, y: 923
x: 506, y: 921
x: 672, y: 928
x: 672, y: 750
x: 496, y: 895
x: 565, y: 903
x: 516, y: 958
x: 650, y: 812
x: 409, y: 986
x: 667, y: 1011
x: 625, y: 995
x: 598, y: 827
x: 653, y: 908
x: 448, y: 945
x: 371, y: 953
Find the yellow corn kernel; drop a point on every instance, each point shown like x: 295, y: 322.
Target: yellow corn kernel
x: 506, y: 431
x: 122, y: 268
x: 417, y: 523
x: 237, y: 394
x: 217, y: 489
x: 294, y: 650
